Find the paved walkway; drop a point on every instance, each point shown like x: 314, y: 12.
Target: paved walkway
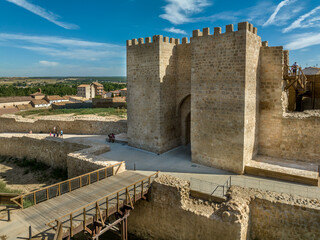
x: 177, y: 162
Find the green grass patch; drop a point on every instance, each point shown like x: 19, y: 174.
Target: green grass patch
x: 83, y: 111
x: 4, y: 189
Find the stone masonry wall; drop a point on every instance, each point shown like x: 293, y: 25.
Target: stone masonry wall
x: 143, y: 96
x: 170, y: 213
x: 169, y: 131
x: 279, y: 220
x: 20, y: 125
x: 77, y: 158
x: 248, y: 214
x: 284, y: 135
x: 219, y: 81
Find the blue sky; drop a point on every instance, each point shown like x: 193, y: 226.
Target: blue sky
x: 88, y: 37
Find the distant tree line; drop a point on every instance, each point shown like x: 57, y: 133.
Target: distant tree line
x: 49, y: 89
x: 108, y: 86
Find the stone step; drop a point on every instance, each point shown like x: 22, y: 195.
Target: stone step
x: 288, y: 170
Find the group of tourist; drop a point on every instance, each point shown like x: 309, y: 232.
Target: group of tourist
x: 56, y: 133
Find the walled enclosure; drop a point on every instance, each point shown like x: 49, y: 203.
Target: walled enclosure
x: 234, y: 83
x: 77, y: 158
x: 170, y: 213
x: 17, y: 124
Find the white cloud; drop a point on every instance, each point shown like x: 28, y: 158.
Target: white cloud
x: 304, y: 21
x: 43, y: 13
x: 272, y: 18
x: 48, y: 64
x: 300, y: 41
x: 68, y: 48
x: 175, y: 30
x: 180, y: 11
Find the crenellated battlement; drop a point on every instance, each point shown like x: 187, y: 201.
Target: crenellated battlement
x: 156, y: 39
x: 243, y: 26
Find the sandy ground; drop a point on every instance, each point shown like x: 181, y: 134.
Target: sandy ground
x: 16, y: 179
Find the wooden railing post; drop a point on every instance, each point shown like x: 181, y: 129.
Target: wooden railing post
x: 34, y: 198
x: 142, y: 189
x: 80, y: 182
x: 84, y: 219
x: 71, y: 226
x: 97, y: 176
x: 118, y: 205
x: 21, y: 200
x: 134, y: 192
x: 107, y: 206
x: 59, y: 189
x: 69, y: 186
x: 89, y: 180
x: 47, y: 193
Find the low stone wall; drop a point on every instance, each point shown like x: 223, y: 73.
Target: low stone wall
x: 292, y: 136
x: 69, y: 126
x: 170, y: 213
x: 77, y: 158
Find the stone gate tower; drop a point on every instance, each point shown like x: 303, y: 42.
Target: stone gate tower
x: 204, y: 92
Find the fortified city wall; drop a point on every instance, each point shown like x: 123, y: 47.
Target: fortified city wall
x: 16, y: 124
x: 231, y: 84
x: 76, y: 156
x: 283, y: 134
x: 170, y: 213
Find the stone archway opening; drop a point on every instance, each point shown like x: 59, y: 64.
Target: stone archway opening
x: 185, y: 120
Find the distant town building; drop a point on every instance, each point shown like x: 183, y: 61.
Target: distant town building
x: 98, y: 87
x: 115, y: 93
x: 37, y: 95
x: 311, y: 71
x: 56, y: 99
x: 86, y: 91
x: 40, y: 103
x: 123, y: 92
x: 11, y: 102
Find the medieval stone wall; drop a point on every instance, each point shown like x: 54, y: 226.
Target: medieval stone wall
x: 220, y: 79
x: 90, y: 126
x: 77, y: 158
x: 248, y: 214
x: 143, y: 97
x: 283, y: 135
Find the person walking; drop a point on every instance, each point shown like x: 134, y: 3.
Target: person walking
x: 61, y: 134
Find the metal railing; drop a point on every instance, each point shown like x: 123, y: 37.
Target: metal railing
x: 211, y: 188
x: 225, y: 187
x: 137, y: 189
x: 67, y: 186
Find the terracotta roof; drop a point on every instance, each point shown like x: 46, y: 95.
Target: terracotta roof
x: 123, y: 89
x: 97, y: 84
x: 115, y: 91
x: 84, y: 85
x: 24, y: 107
x: 15, y: 99
x: 54, y: 97
x: 39, y: 102
x: 311, y: 71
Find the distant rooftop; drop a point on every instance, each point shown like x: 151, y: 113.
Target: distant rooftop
x: 311, y: 71
x: 15, y: 99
